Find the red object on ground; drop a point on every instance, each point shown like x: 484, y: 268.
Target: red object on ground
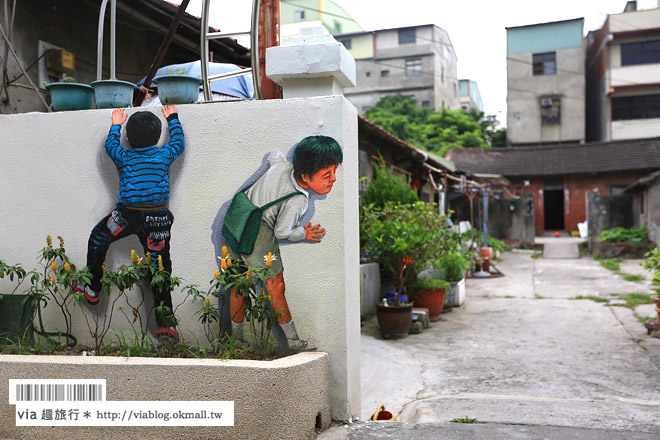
x: 557, y: 234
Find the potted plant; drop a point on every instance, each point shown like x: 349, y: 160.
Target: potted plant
x: 70, y: 95
x: 16, y: 310
x: 113, y: 93
x: 454, y: 265
x: 177, y: 87
x: 429, y: 293
x: 395, y: 316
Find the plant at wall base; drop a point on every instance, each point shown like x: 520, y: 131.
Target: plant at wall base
x: 621, y: 235
x: 53, y: 283
x: 453, y: 264
x: 249, y: 282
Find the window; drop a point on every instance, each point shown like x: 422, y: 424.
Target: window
x: 640, y: 53
x: 426, y: 103
x: 448, y: 54
x: 414, y: 67
x: 384, y: 73
x: 636, y: 107
x: 299, y: 15
x: 406, y: 36
x: 550, y: 110
x: 544, y: 63
x: 347, y: 43
x: 338, y: 27
x: 368, y: 74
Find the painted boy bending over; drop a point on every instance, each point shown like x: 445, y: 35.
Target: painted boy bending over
x: 144, y: 192
x: 315, y: 161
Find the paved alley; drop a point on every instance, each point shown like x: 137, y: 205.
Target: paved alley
x: 522, y: 351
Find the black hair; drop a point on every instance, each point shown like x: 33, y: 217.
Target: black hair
x: 315, y: 153
x: 143, y: 129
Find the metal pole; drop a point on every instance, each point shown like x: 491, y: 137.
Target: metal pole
x: 254, y: 49
x: 99, y: 46
x: 484, y: 198
x: 204, y: 55
x: 113, y: 39
x: 162, y: 50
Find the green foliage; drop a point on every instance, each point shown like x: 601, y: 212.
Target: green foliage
x: 620, y: 235
x: 635, y: 299
x: 465, y: 419
x: 597, y: 299
x: 633, y: 277
x: 386, y: 187
x: 435, y: 131
x: 611, y: 264
x: 396, y: 231
x: 428, y: 284
x: 495, y: 244
x: 454, y: 265
x: 69, y: 79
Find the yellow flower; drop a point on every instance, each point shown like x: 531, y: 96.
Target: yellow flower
x: 134, y: 256
x: 106, y: 272
x: 49, y: 240
x: 269, y: 298
x: 217, y: 274
x: 43, y: 248
x: 269, y: 259
x: 160, y: 263
x: 53, y: 266
x: 59, y: 237
x: 67, y: 267
x: 207, y: 302
x: 249, y: 274
x: 224, y: 252
x: 223, y: 264
x: 263, y: 293
x: 228, y: 262
x: 149, y: 258
x: 52, y: 279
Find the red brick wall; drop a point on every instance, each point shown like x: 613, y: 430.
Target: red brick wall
x: 577, y: 186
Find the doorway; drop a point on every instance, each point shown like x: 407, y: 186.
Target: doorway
x: 553, y: 209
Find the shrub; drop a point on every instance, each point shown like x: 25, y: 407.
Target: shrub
x: 620, y: 235
x: 385, y: 187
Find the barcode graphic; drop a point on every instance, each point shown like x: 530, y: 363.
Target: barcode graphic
x: 58, y: 392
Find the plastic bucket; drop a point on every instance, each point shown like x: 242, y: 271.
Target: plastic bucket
x: 113, y: 93
x: 485, y: 252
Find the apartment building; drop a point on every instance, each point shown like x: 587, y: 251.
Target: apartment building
x: 470, y: 97
x: 623, y: 68
x: 546, y: 83
x: 295, y: 14
x: 417, y: 61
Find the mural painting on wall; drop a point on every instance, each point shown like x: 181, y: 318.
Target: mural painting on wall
x: 268, y: 213
x: 144, y: 192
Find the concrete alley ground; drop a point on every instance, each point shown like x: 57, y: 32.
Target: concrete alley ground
x: 523, y: 358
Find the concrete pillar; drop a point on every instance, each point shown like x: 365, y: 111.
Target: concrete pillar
x: 312, y: 64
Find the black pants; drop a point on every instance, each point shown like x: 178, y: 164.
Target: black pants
x: 153, y: 230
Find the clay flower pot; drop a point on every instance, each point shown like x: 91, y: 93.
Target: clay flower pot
x: 394, y: 322
x: 432, y: 299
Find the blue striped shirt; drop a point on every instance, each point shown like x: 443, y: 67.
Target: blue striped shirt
x: 144, y: 179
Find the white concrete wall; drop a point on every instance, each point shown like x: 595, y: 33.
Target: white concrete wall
x: 57, y: 180
x: 635, y: 129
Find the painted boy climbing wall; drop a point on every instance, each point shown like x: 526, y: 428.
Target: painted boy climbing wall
x: 281, y: 197
x: 144, y: 192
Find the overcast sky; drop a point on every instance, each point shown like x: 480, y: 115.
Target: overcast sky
x: 476, y: 28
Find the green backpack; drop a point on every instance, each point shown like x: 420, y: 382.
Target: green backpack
x: 242, y: 221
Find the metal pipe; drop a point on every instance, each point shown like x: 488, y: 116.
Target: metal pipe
x: 226, y: 75
x: 113, y: 39
x: 254, y: 49
x: 216, y: 35
x: 204, y: 55
x: 99, y: 46
x: 484, y: 200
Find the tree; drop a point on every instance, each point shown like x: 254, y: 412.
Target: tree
x: 436, y: 132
